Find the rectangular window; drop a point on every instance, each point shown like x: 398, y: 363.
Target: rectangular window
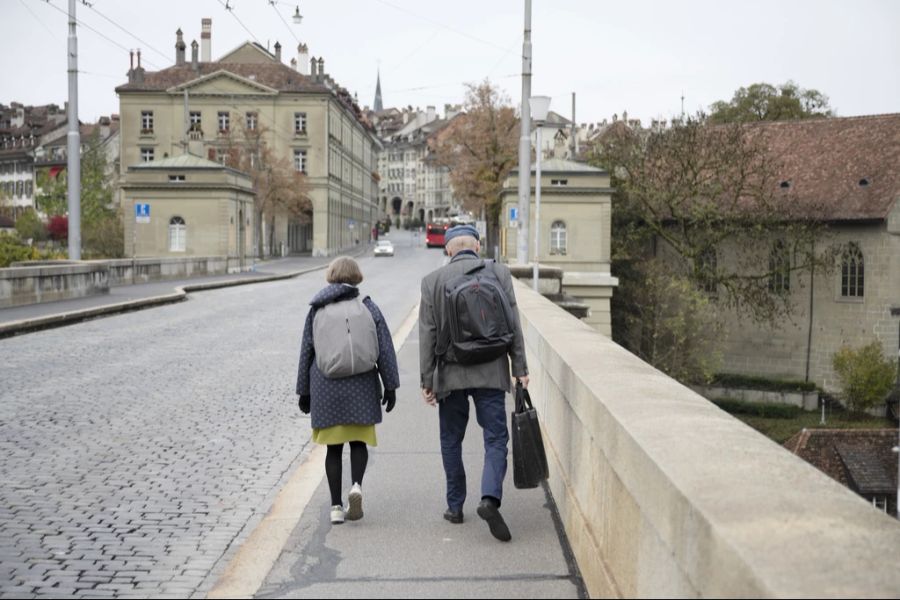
x: 251, y: 121
x: 300, y: 160
x: 146, y: 154
x: 176, y: 178
x: 224, y: 121
x: 195, y: 120
x: 300, y: 123
x: 29, y: 188
x: 146, y: 121
x: 559, y: 182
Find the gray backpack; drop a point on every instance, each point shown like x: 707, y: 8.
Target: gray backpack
x: 345, y: 339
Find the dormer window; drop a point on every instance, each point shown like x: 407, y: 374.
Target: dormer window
x: 864, y: 182
x: 785, y: 184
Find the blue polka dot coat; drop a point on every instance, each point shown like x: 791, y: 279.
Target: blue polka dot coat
x: 354, y: 400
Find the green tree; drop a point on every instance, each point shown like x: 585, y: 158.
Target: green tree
x: 765, y: 102
x: 103, y: 237
x: 866, y: 376
x: 30, y: 227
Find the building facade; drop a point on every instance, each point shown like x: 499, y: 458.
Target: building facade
x: 414, y: 185
x: 304, y: 117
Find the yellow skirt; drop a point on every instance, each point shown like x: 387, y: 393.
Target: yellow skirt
x: 341, y: 434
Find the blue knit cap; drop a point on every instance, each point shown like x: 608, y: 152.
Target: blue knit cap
x: 460, y: 230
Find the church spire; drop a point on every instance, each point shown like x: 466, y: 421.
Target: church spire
x: 378, y: 106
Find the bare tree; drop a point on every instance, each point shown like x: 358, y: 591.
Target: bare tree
x: 480, y: 149
x: 709, y: 196
x: 280, y: 188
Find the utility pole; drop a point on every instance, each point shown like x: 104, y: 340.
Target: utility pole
x: 73, y: 139
x: 525, y: 145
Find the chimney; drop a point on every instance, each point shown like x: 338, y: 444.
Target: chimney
x: 294, y: 64
x: 313, y: 66
x: 194, y: 49
x: 278, y: 51
x: 430, y: 115
x: 137, y: 74
x: 206, y: 40
x: 303, y: 59
x: 321, y: 66
x: 179, y: 49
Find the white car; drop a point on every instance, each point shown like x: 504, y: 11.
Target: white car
x: 384, y: 248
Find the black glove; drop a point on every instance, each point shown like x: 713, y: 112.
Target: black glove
x: 304, y: 404
x: 389, y: 400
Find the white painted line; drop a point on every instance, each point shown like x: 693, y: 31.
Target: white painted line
x: 247, y: 571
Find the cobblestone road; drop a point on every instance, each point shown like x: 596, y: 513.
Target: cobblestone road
x: 139, y: 450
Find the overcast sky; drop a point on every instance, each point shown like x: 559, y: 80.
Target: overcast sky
x: 637, y: 56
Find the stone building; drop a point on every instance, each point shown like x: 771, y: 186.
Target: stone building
x: 23, y: 129
x: 848, y: 171
x: 575, y: 230
x: 195, y: 207
x: 306, y: 118
x: 414, y: 186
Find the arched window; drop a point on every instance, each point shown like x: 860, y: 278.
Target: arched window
x: 559, y: 240
x: 779, y: 268
x: 177, y: 235
x: 852, y: 272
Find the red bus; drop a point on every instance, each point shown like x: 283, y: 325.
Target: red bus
x: 434, y: 235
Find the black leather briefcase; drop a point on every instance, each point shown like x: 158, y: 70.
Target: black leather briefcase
x: 529, y: 457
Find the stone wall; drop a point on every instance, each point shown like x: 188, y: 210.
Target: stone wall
x: 664, y: 495
x: 44, y: 282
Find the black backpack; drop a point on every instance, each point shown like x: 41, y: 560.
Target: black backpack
x: 479, y: 322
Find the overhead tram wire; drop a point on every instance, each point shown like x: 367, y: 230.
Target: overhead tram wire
x: 230, y: 9
x: 443, y: 25
x: 145, y: 44
x: 275, y: 8
x: 102, y: 35
x: 38, y: 19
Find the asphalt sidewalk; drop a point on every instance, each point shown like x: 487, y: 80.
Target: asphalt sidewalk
x: 403, y: 548
x: 33, y: 317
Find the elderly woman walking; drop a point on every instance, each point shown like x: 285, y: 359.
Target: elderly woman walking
x: 346, y: 349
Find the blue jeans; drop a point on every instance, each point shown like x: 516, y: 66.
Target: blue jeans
x: 490, y: 411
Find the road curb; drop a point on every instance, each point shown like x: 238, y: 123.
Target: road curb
x: 14, y: 328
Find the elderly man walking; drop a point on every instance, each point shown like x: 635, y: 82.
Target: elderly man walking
x: 469, y: 333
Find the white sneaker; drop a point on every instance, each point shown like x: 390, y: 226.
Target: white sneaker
x: 337, y: 514
x: 354, y: 509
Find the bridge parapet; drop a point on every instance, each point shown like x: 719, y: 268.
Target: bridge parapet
x: 662, y: 494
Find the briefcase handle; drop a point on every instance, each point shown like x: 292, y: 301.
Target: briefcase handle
x: 523, y: 399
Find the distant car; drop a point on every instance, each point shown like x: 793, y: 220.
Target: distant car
x: 384, y: 248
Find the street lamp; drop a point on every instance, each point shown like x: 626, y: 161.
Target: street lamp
x: 540, y: 105
x: 298, y: 18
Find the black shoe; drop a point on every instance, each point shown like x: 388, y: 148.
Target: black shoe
x: 490, y: 513
x: 454, y: 516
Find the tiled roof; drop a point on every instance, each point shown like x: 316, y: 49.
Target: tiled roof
x: 274, y: 75
x: 861, y: 459
x: 824, y: 162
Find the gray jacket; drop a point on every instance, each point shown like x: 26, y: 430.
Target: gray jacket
x: 444, y: 377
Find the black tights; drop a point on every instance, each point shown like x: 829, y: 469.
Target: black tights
x: 359, y: 456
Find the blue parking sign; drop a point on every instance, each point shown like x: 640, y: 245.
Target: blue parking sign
x: 513, y: 213
x: 142, y: 213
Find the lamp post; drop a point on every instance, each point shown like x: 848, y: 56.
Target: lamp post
x: 540, y: 105
x: 525, y: 144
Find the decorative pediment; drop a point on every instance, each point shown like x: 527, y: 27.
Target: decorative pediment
x: 223, y: 83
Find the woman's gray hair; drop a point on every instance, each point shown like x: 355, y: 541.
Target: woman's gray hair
x: 344, y: 269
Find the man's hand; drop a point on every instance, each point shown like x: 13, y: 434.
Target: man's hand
x: 523, y: 380
x: 428, y: 395
x: 304, y: 402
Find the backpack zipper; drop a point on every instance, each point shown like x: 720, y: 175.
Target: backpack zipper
x: 350, y: 338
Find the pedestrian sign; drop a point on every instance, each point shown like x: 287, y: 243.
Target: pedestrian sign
x: 142, y: 213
